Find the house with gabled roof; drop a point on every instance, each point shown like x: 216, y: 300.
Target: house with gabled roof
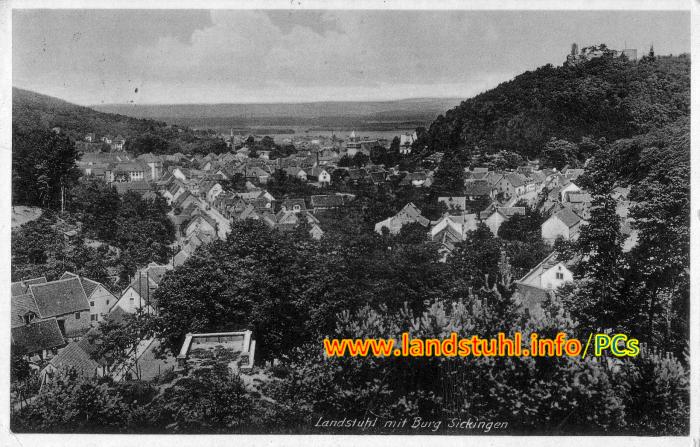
x: 564, y: 223
x: 408, y: 214
x: 184, y: 200
x: 493, y: 178
x: 22, y: 287
x: 100, y: 298
x: 544, y: 278
x: 477, y: 189
x: 210, y: 190
x: 201, y: 223
x: 66, y: 301
x: 450, y: 230
x: 23, y: 310
x: 295, y: 205
x: 37, y: 340
x: 326, y: 202
x: 72, y: 358
x: 321, y: 174
x: 494, y: 219
x: 257, y: 174
x: 138, y: 295
x: 249, y: 212
x: 549, y: 274
x: 118, y: 143
x: 316, y: 232
x: 295, y: 171
x: 512, y: 185
x: 579, y: 202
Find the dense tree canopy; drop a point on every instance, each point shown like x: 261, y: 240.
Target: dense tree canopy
x: 604, y: 97
x: 43, y: 164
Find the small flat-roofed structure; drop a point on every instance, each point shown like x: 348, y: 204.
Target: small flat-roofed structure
x: 236, y: 347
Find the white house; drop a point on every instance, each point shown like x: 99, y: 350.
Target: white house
x: 500, y: 215
x: 571, y: 187
x: 549, y: 274
x: 511, y: 185
x: 408, y: 214
x: 322, y: 174
x: 541, y: 281
x: 139, y: 294
x: 101, y: 300
x: 179, y: 174
x: 316, y: 232
x: 564, y: 223
x: 405, y: 143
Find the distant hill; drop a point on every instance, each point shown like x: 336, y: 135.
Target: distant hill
x: 604, y: 97
x: 32, y: 110
x: 421, y: 110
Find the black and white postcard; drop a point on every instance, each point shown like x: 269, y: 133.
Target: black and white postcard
x: 392, y: 222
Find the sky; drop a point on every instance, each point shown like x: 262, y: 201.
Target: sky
x: 221, y: 56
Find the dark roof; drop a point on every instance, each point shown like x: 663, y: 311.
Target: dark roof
x: 579, y: 197
x: 44, y: 334
x: 156, y: 272
x: 356, y: 174
x: 173, y: 189
x: 59, y: 297
x: 21, y: 287
x: 568, y: 217
x: 477, y: 188
x: 181, y: 198
x: 21, y: 304
x: 510, y: 211
x: 89, y: 285
x: 326, y: 201
x: 141, y: 286
x: 74, y: 357
x: 515, y: 179
x: 289, y: 203
x: 205, y: 217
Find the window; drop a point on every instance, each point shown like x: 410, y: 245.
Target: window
x: 107, y: 303
x: 93, y: 317
x: 560, y: 275
x: 92, y: 304
x: 29, y: 317
x: 131, y: 298
x: 77, y: 315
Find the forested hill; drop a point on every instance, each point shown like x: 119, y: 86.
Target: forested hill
x: 31, y: 111
x: 603, y: 97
